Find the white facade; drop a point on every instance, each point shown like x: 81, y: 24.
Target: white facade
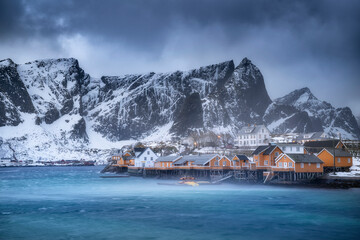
x: 291, y: 148
x: 146, y: 159
x: 254, y: 136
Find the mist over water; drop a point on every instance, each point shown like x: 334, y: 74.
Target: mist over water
x: 75, y: 203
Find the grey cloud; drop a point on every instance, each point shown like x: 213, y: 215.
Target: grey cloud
x: 296, y: 43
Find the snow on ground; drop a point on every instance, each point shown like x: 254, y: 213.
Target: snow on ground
x: 160, y: 134
x: 97, y: 141
x: 354, y: 170
x: 278, y: 123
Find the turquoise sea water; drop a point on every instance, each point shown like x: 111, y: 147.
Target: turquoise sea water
x: 75, y: 203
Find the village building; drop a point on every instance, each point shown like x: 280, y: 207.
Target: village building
x: 317, y: 146
x: 343, y: 159
x: 166, y: 161
x: 240, y: 160
x: 264, y: 156
x: 252, y: 136
x: 225, y: 161
x: 313, y: 136
x: 298, y: 163
x: 122, y: 159
x: 284, y: 138
x: 144, y: 157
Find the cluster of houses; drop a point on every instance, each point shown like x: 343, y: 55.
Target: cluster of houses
x: 255, y: 135
x: 310, y: 157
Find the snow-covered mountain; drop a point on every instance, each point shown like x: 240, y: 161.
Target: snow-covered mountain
x: 53, y: 109
x: 313, y: 114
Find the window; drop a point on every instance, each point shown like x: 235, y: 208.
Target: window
x: 276, y: 154
x: 280, y: 164
x: 309, y: 164
x: 151, y: 158
x: 290, y: 149
x: 318, y: 165
x: 349, y: 160
x: 259, y: 135
x: 290, y: 164
x: 285, y: 164
x: 145, y: 158
x: 298, y: 149
x: 284, y: 148
x: 216, y: 163
x: 266, y: 162
x: 148, y: 152
x: 262, y: 130
x: 302, y: 165
x: 224, y: 163
x: 338, y: 160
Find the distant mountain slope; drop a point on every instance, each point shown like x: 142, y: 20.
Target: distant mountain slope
x: 53, y: 104
x: 321, y: 115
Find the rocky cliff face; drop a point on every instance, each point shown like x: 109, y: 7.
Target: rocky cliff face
x: 55, y: 103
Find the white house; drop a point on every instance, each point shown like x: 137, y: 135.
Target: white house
x: 291, y: 148
x: 146, y: 158
x: 254, y: 136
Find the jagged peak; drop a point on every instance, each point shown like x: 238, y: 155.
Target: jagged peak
x: 6, y: 62
x: 296, y: 94
x: 229, y: 64
x: 55, y: 61
x: 246, y: 63
x: 303, y: 90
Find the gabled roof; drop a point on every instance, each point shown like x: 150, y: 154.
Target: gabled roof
x: 168, y: 158
x: 242, y: 157
x: 265, y: 149
x: 304, y: 158
x: 251, y: 129
x: 269, y: 149
x: 197, y: 159
x: 145, y: 151
x: 323, y: 144
x: 338, y: 152
x: 226, y: 156
x: 260, y: 149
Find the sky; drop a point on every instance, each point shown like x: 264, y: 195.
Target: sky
x: 295, y: 44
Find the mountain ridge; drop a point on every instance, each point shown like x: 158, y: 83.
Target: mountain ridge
x: 67, y: 103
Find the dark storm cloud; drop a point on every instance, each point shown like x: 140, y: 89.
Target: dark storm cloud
x: 295, y: 43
